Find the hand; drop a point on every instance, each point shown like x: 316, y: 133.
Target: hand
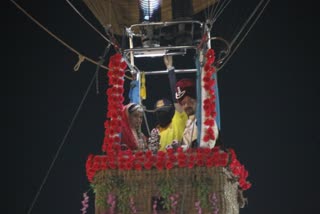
x: 167, y: 61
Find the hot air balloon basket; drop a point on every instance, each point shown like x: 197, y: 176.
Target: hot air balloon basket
x: 178, y: 190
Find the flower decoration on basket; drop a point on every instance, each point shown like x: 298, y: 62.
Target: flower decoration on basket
x: 124, y: 164
x: 209, y: 105
x: 192, y: 158
x: 115, y: 101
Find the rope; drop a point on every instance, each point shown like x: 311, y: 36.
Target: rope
x: 77, y: 66
x: 62, y: 143
x: 54, y: 36
x: 61, y: 41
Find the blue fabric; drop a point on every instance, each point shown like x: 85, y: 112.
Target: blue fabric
x: 216, y: 92
x: 199, y: 98
x: 134, y: 93
x: 199, y: 106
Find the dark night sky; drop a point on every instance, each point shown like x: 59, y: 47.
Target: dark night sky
x: 269, y: 106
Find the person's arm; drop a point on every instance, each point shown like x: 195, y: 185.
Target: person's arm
x: 172, y: 82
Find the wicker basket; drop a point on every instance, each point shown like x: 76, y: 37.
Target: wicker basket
x: 142, y: 186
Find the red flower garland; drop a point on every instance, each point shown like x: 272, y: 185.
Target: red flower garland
x: 111, y: 140
x: 200, y: 157
x: 209, y: 101
x: 127, y: 160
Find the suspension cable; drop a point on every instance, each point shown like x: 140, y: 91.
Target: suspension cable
x: 54, y: 36
x: 219, y: 12
x: 62, y: 143
x: 251, y: 26
x: 246, y: 22
x: 101, y: 61
x: 91, y: 25
x: 214, y: 14
x: 213, y: 10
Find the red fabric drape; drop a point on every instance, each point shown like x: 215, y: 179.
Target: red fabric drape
x: 127, y: 136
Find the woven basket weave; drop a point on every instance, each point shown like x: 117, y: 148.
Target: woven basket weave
x: 217, y: 180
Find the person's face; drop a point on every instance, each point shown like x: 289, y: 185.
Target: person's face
x: 189, y: 105
x: 135, y: 119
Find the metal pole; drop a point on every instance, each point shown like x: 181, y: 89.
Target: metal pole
x: 176, y: 71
